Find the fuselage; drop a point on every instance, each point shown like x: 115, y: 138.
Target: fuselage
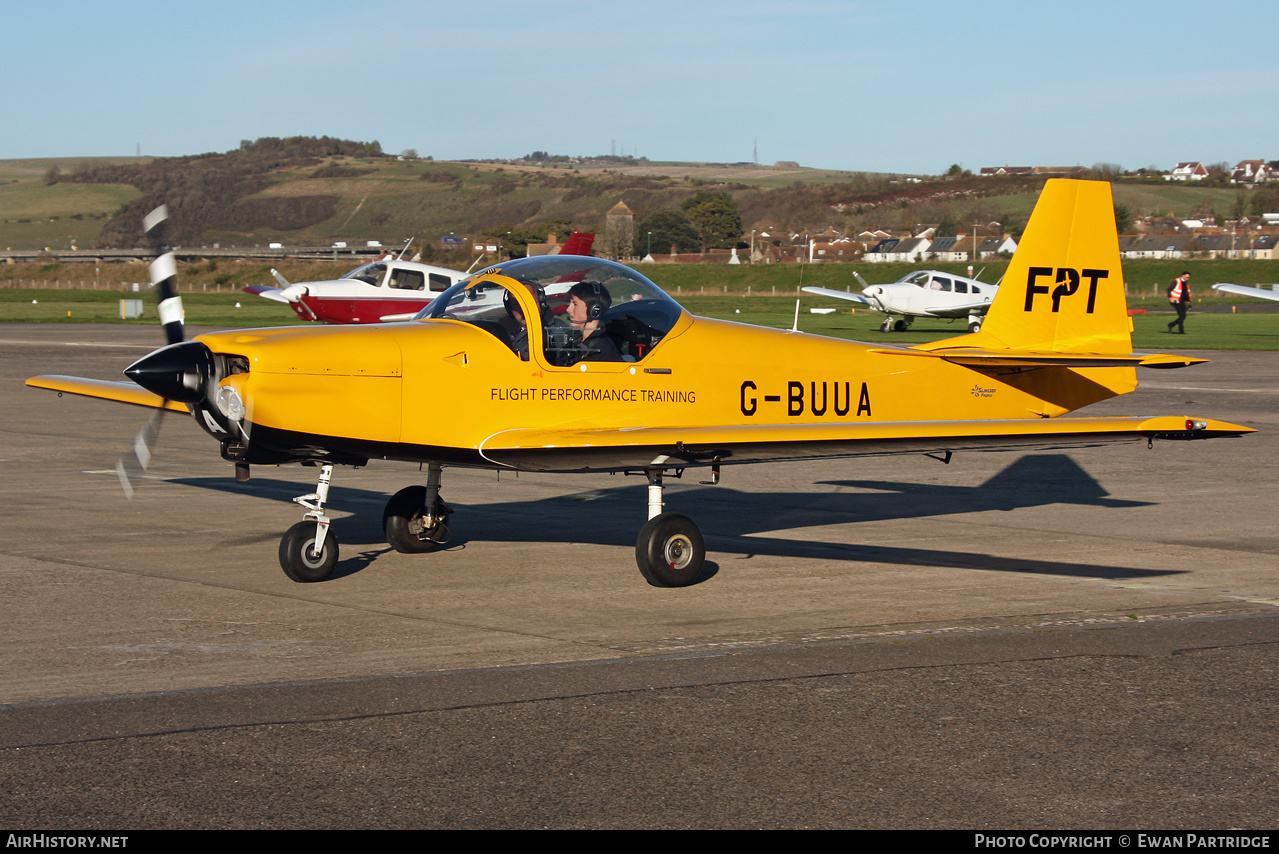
x: 441, y: 389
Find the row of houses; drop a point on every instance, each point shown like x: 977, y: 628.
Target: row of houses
x: 1245, y: 172
x: 1263, y: 247
x: 963, y: 248
x: 959, y: 248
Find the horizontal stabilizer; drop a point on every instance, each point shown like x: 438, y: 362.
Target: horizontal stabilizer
x: 120, y: 392
x: 264, y: 291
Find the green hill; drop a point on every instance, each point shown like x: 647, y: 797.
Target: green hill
x: 315, y: 191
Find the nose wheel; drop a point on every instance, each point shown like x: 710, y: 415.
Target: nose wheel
x: 308, y: 550
x: 301, y: 560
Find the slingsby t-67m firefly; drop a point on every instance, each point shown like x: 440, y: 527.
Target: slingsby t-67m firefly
x: 621, y: 378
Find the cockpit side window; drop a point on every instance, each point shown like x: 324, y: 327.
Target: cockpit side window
x: 407, y: 280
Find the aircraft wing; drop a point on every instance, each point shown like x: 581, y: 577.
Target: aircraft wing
x: 958, y: 310
x: 1244, y: 291
x: 827, y: 292
x: 270, y: 293
x: 604, y: 450
x: 121, y: 392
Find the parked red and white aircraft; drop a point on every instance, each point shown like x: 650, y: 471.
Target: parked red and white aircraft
x: 382, y: 291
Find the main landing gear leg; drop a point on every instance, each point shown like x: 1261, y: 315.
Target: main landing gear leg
x: 308, y: 550
x: 415, y: 518
x: 670, y: 550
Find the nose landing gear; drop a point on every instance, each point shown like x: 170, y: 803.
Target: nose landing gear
x: 308, y: 551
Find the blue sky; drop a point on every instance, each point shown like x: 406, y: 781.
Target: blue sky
x: 838, y: 85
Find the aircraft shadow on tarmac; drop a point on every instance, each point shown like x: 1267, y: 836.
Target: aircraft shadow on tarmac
x: 732, y: 519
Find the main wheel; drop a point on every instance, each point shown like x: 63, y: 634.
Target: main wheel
x: 298, y: 558
x: 901, y: 326
x: 974, y: 326
x: 670, y: 551
x: 404, y: 521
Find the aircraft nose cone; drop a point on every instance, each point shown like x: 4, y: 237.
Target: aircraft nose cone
x: 178, y: 372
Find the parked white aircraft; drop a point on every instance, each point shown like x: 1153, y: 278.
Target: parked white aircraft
x: 1245, y: 291
x: 924, y: 293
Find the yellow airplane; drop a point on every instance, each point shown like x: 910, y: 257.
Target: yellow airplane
x: 611, y: 375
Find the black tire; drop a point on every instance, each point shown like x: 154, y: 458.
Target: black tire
x: 402, y: 522
x: 974, y: 326
x: 901, y: 326
x: 297, y: 558
x: 670, y: 551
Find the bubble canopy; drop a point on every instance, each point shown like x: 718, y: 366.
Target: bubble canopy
x: 633, y: 312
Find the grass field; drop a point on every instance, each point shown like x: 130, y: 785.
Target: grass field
x: 1256, y: 327
x: 34, y: 215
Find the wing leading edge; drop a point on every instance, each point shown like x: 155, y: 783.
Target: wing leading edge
x: 105, y: 390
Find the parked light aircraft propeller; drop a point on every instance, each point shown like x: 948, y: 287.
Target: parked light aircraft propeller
x: 923, y: 293
x: 461, y: 385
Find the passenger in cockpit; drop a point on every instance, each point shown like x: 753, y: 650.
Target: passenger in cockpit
x: 587, y: 303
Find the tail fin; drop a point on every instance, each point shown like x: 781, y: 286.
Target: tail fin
x: 1064, y: 289
x: 578, y: 243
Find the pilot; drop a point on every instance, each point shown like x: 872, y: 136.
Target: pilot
x: 553, y: 327
x: 519, y: 339
x: 587, y: 303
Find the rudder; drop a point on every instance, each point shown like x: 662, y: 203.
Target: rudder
x: 1064, y: 288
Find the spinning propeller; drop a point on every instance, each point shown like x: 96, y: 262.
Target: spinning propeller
x: 179, y: 372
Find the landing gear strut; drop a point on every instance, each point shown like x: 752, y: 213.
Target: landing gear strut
x: 414, y: 518
x: 670, y: 551
x: 308, y: 551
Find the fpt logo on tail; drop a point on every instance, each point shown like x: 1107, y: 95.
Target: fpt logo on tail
x: 1068, y: 280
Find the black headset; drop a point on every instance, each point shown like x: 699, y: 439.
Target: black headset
x: 601, y: 299
x: 512, y: 305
